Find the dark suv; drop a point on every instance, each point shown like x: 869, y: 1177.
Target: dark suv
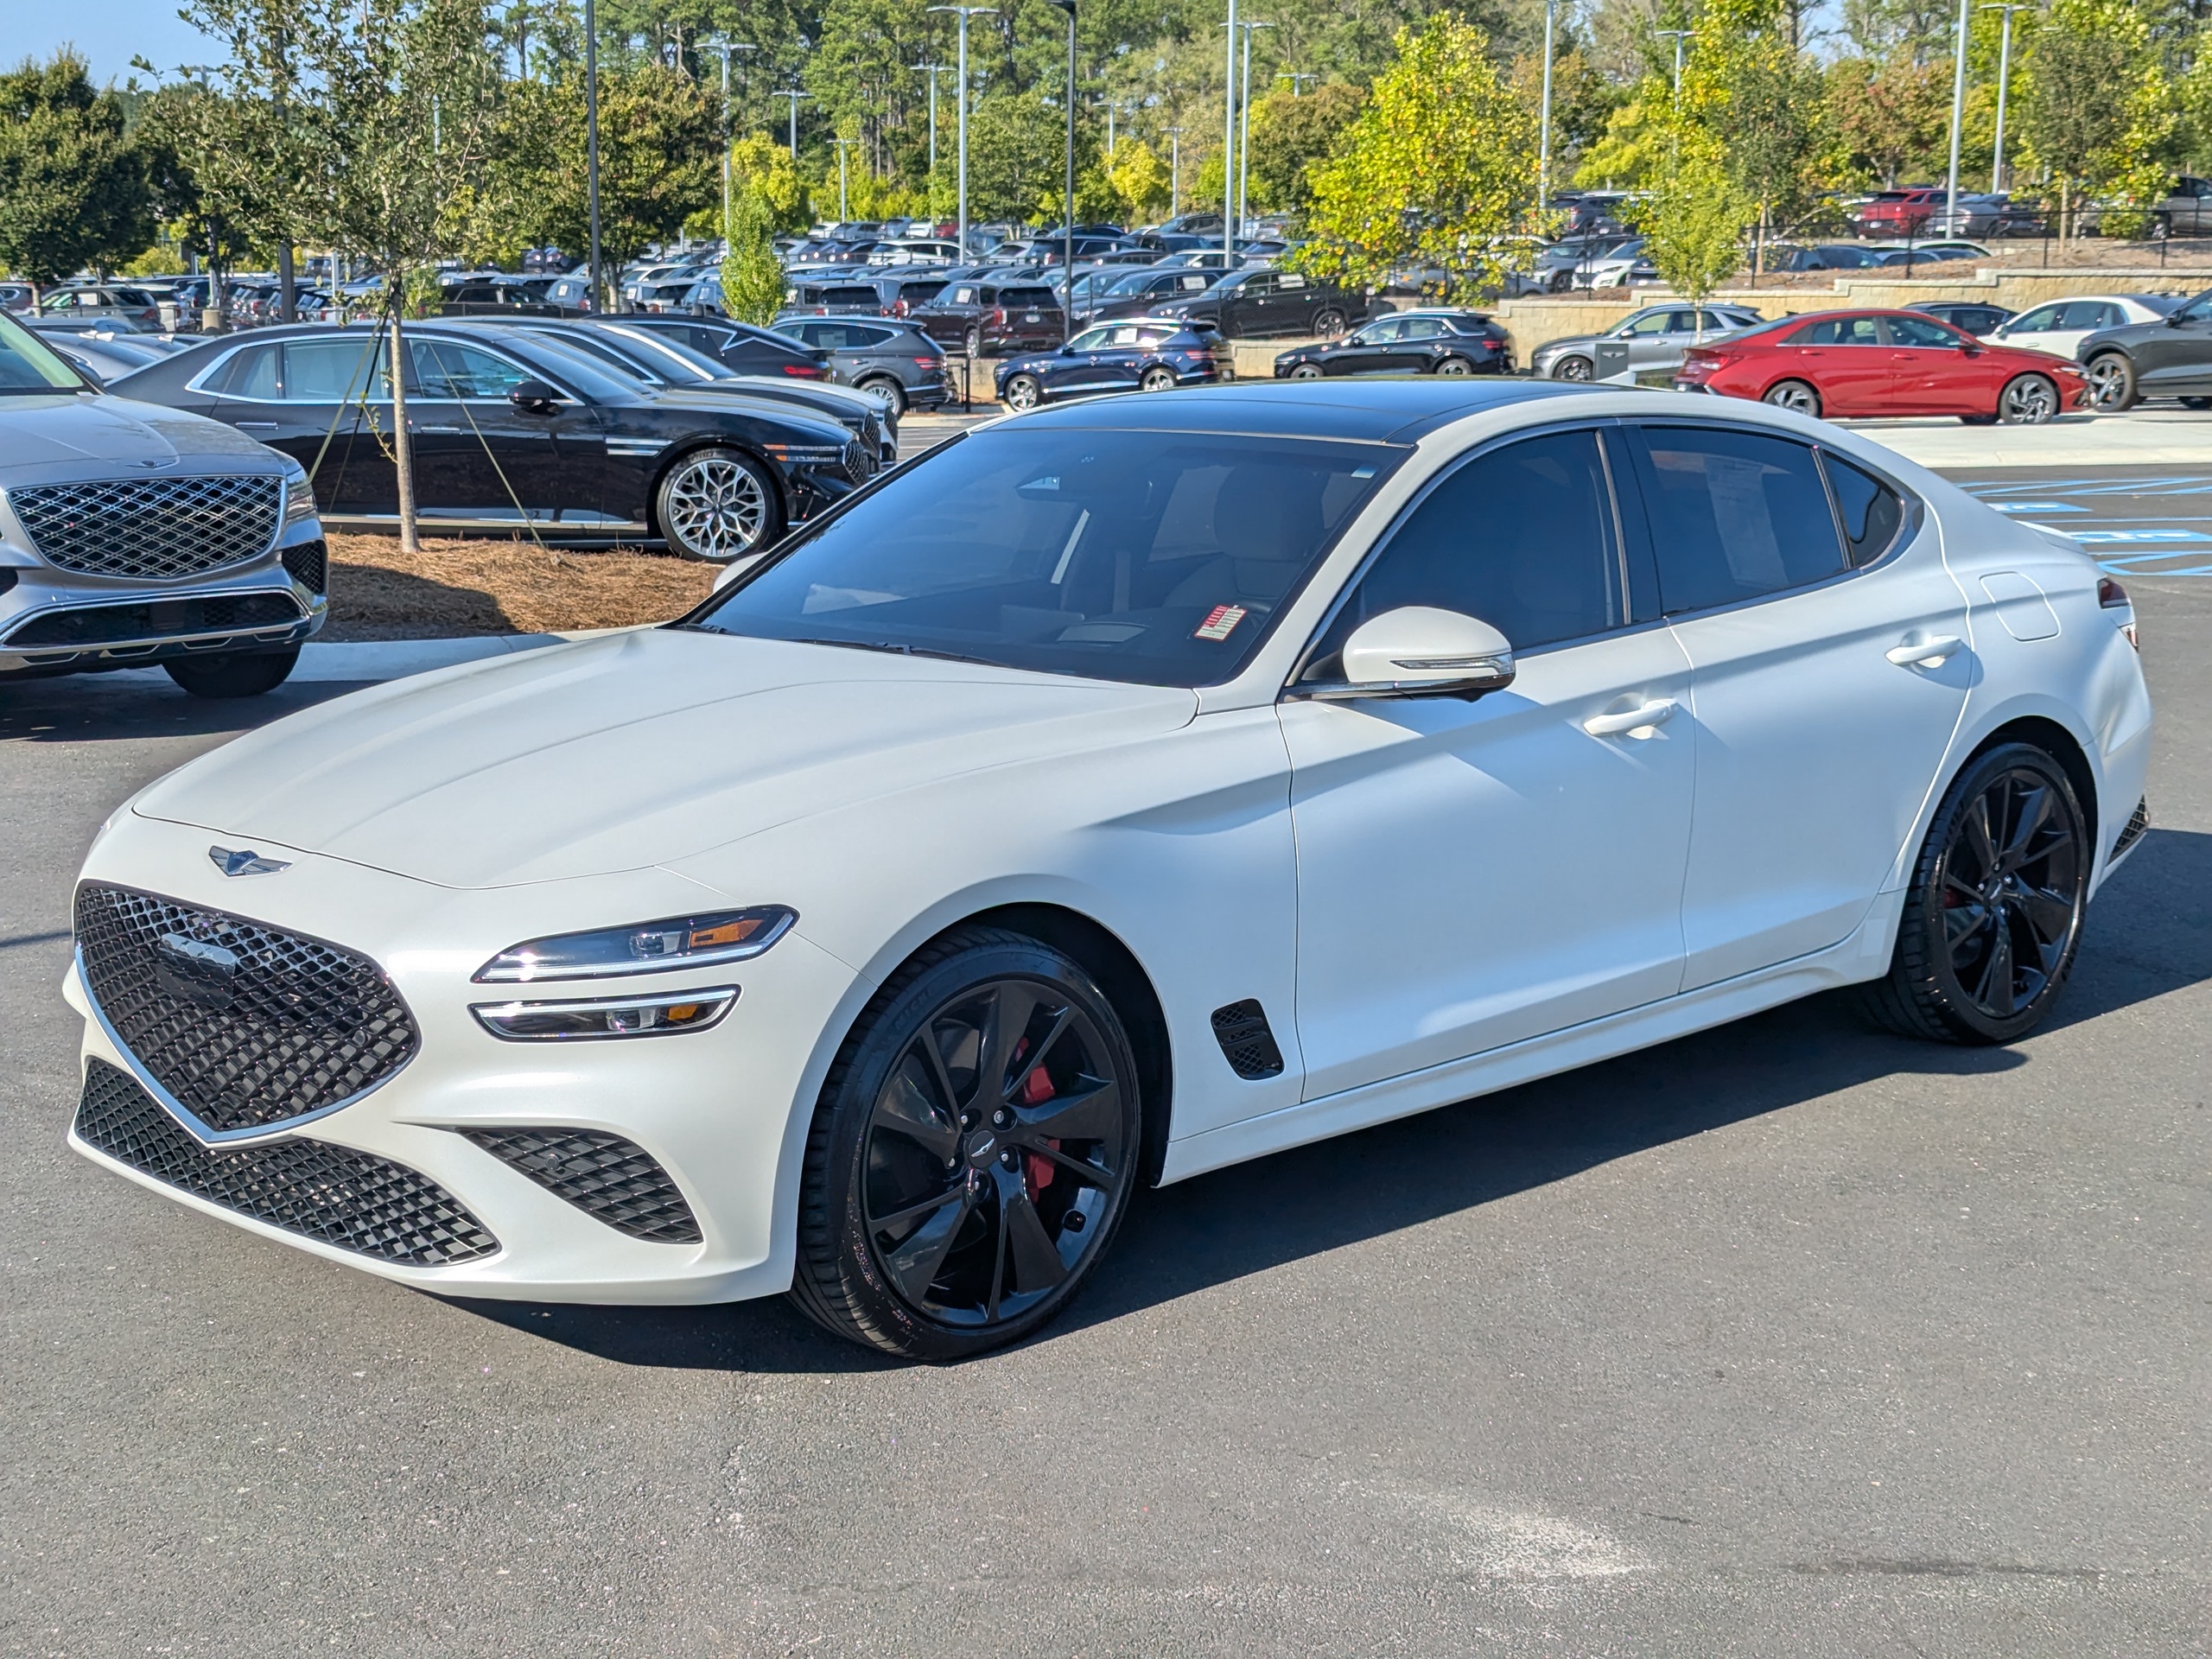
x: 1246, y: 304
x: 2169, y: 358
x: 983, y: 316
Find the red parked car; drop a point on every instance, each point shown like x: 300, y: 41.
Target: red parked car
x: 1884, y: 363
x: 1899, y: 213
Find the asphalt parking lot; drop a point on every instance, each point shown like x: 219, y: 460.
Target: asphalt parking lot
x: 1787, y: 1337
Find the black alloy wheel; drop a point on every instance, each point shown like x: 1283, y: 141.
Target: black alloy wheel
x: 2112, y: 382
x: 973, y: 1149
x: 1994, y: 917
x: 1574, y: 368
x: 1328, y: 323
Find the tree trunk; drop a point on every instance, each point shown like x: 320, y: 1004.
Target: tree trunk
x: 1758, y: 246
x: 403, y: 446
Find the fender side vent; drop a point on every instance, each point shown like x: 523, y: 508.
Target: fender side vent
x: 2129, y: 835
x: 1241, y: 1030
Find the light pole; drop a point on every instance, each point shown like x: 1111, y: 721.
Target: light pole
x: 960, y: 104
x: 1958, y: 117
x: 1229, y: 150
x: 933, y: 70
x: 726, y: 48
x: 843, y: 144
x: 591, y: 141
x: 1544, y: 121
x: 1298, y: 79
x: 794, y: 95
x: 2004, y: 75
x: 1174, y: 167
x: 1244, y: 140
x: 1067, y: 225
x: 1678, y: 35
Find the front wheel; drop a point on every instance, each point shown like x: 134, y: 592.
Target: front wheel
x: 1024, y: 392
x: 1574, y: 368
x: 1157, y: 379
x: 2028, y: 400
x: 719, y: 504
x: 233, y: 673
x: 1794, y: 395
x: 972, y: 1152
x: 1993, y: 916
x: 2111, y: 382
x: 1307, y: 372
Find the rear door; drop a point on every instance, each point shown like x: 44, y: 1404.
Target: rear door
x: 1844, y: 359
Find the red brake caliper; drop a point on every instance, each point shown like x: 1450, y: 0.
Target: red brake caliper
x: 1037, y: 1168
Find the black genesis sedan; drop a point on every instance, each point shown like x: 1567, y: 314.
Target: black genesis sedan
x: 1130, y: 355
x: 669, y: 364
x: 1439, y: 341
x: 516, y: 430
x: 740, y: 347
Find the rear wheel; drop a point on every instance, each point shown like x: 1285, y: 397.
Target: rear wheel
x: 1328, y: 323
x: 975, y: 342
x: 233, y: 673
x: 973, y: 1150
x: 2028, y: 400
x: 1793, y: 395
x: 1455, y: 366
x: 2111, y: 382
x: 1992, y: 918
x: 1024, y: 392
x: 1157, y: 379
x: 887, y: 392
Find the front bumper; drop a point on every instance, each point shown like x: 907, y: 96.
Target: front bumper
x: 717, y: 1109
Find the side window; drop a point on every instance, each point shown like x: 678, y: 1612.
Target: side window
x: 1381, y: 334
x: 1290, y: 279
x: 327, y: 371
x: 1422, y: 328
x: 2042, y: 318
x: 1653, y: 322
x: 1839, y: 331
x: 1734, y: 516
x: 446, y: 368
x: 251, y: 374
x: 1522, y: 538
x: 1921, y: 331
x: 1872, y: 513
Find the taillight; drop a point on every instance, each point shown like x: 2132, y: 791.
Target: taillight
x: 929, y: 362
x: 2114, y: 597
x: 806, y: 371
x: 999, y: 315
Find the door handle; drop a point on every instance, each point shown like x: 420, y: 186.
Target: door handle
x: 1927, y: 653
x: 1632, y: 721
x: 255, y: 425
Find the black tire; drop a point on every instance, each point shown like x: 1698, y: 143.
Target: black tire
x: 1455, y: 366
x: 975, y: 342
x: 1793, y: 394
x: 1024, y: 392
x: 1328, y: 322
x: 1992, y: 918
x: 718, y: 504
x: 233, y: 673
x: 1157, y: 379
x: 2112, y: 382
x: 1574, y: 368
x: 2028, y: 400
x: 896, y: 1139
x: 1977, y: 420
x: 888, y: 388
x: 1307, y: 372
x: 1560, y: 281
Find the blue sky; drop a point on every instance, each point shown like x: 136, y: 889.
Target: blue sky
x: 108, y: 33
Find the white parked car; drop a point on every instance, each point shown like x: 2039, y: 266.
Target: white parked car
x: 1123, y: 791
x: 2061, y: 325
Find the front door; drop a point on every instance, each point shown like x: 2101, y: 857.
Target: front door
x: 1472, y: 874
x: 1816, y: 749
x: 1932, y: 373
x: 479, y: 456
x: 1367, y: 351
x: 2178, y: 357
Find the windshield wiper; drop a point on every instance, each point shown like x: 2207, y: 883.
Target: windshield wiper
x: 899, y: 650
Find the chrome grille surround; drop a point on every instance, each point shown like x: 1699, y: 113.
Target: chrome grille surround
x: 239, y: 1028
x: 151, y: 528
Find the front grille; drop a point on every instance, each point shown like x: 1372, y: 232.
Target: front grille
x: 92, y: 627
x: 610, y: 1177
x: 150, y: 528
x: 309, y: 564
x: 1247, y: 1042
x: 247, y: 1027
x: 860, y: 460
x: 334, y: 1195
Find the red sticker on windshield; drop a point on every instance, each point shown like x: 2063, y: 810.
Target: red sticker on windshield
x: 1219, y: 622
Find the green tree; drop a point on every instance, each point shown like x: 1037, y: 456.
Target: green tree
x: 73, y: 186
x: 1437, y: 170
x: 762, y: 168
x: 1763, y: 99
x: 752, y: 277
x: 2096, y: 107
x: 1697, y: 215
x: 1289, y: 134
x: 1892, y: 115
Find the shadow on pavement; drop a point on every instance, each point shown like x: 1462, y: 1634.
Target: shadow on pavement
x: 2151, y: 933
x: 141, y: 703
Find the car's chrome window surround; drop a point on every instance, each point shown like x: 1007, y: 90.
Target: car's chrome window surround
x: 1602, y: 426
x: 200, y: 382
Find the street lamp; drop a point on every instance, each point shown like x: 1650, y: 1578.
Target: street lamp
x: 591, y: 142
x: 934, y: 70
x: 1174, y: 167
x: 1298, y: 79
x: 726, y: 48
x: 1678, y: 35
x: 1958, y: 113
x: 1067, y: 227
x: 2004, y: 75
x: 960, y: 104
x: 1544, y: 121
x: 1244, y: 146
x: 794, y: 95
x: 1229, y: 150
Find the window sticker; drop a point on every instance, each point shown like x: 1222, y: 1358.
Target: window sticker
x: 1220, y: 622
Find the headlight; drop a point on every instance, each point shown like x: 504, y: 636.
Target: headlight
x: 650, y: 1016
x: 646, y: 948
x: 299, y: 499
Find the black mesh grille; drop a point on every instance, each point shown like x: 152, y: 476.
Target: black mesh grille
x: 150, y: 528
x: 245, y: 1025
x: 161, y: 619
x: 2134, y: 830
x: 309, y: 564
x: 604, y: 1174
x: 1241, y: 1030
x: 354, y: 1200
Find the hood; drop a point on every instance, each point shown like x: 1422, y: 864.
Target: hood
x: 804, y: 421
x: 631, y: 750
x: 68, y: 435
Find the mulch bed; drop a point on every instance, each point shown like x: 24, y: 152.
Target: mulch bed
x: 453, y: 587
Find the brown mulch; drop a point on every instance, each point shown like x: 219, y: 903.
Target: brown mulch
x: 455, y: 588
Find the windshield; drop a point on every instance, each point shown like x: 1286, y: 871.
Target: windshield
x: 1160, y: 558
x: 28, y: 364
x: 2197, y: 310
x: 582, y: 372
x: 675, y: 361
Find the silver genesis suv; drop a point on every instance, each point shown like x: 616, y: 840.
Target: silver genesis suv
x: 133, y: 535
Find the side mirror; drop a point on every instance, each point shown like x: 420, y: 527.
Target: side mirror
x: 533, y: 395
x: 1418, y: 651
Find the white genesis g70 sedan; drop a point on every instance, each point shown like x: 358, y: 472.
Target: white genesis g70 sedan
x: 1123, y: 790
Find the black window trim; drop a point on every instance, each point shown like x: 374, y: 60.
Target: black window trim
x: 1910, y: 523
x: 1604, y: 427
